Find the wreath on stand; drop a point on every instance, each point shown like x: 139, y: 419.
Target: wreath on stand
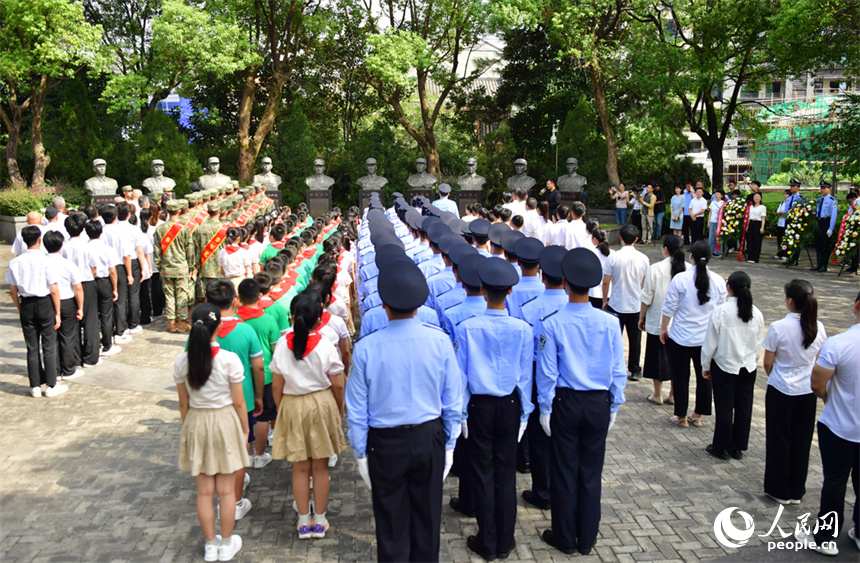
x: 800, y: 227
x: 730, y: 224
x: 848, y: 243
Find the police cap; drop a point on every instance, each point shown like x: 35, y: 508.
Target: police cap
x: 479, y: 227
x: 498, y: 274
x: 496, y: 231
x: 467, y: 269
x: 509, y: 241
x: 581, y: 268
x: 550, y: 261
x: 402, y: 286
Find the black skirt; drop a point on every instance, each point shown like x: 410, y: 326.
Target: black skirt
x: 656, y: 365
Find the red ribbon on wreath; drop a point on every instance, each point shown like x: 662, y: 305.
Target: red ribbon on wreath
x: 833, y: 259
x: 719, y: 225
x: 744, y: 234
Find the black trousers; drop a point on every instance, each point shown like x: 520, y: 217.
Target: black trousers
x: 733, y: 402
x: 789, y: 425
x: 697, y: 228
x: 104, y: 291
x: 493, y: 426
x: 90, y: 324
x: 120, y: 306
x: 134, y: 296
x: 465, y: 488
x: 839, y: 460
x: 579, y: 423
x: 146, y: 301
x: 37, y: 324
x: 686, y: 224
x: 679, y: 363
x: 822, y: 242
x: 68, y: 337
x: 157, y: 292
x: 406, y: 465
x: 539, y: 450
x: 754, y: 238
x: 630, y: 323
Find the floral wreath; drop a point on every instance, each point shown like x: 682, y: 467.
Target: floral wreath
x: 800, y: 228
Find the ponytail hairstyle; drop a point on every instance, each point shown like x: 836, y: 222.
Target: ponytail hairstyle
x: 805, y: 303
x: 232, y: 234
x: 701, y: 252
x: 145, y: 216
x: 672, y: 244
x: 204, y: 322
x: 306, y: 311
x: 599, y: 235
x: 740, y: 284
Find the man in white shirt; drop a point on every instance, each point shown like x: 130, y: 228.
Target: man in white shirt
x: 69, y: 279
x: 518, y: 205
x: 530, y: 218
x: 713, y: 215
x: 19, y: 247
x: 575, y: 234
x: 625, y: 270
x: 118, y: 238
x: 698, y: 206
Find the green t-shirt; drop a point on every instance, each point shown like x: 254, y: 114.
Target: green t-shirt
x: 267, y: 331
x: 281, y: 316
x: 243, y: 341
x: 286, y: 300
x: 270, y: 252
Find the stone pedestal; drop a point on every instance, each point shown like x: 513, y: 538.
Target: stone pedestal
x: 319, y: 202
x: 412, y: 192
x: 275, y: 195
x: 364, y: 198
x: 466, y: 197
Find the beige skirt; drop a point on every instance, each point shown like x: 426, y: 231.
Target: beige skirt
x: 308, y: 427
x: 212, y: 442
x: 236, y: 281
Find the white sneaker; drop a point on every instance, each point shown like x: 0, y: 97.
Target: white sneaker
x: 57, y: 389
x: 136, y: 330
x: 112, y: 351
x: 226, y: 552
x: 210, y: 551
x: 779, y: 500
x: 93, y: 365
x: 35, y: 392
x: 809, y: 541
x: 853, y: 535
x: 122, y: 338
x: 332, y: 461
x: 242, y: 508
x: 78, y: 373
x: 245, y: 484
x: 261, y: 461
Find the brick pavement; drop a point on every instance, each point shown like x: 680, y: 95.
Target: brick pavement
x: 92, y: 476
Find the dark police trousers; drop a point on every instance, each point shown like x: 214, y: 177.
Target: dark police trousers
x: 463, y: 469
x: 120, y: 306
x: 68, y: 337
x: 406, y: 465
x: 822, y: 242
x: 539, y: 446
x: 89, y: 343
x: 493, y: 426
x: 37, y: 324
x: 579, y: 423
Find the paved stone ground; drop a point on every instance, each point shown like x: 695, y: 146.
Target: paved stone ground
x: 92, y: 475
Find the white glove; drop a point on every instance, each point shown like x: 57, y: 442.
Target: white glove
x: 464, y: 429
x: 612, y: 417
x: 523, y: 425
x: 830, y: 233
x: 364, y: 471
x: 544, y: 423
x: 449, y: 461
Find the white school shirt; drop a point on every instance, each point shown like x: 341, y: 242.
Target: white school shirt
x: 32, y: 274
x: 76, y: 251
x: 757, y: 213
x: 311, y: 373
x: 18, y: 246
x: 714, y: 208
x: 792, y: 363
x: 842, y: 354
x: 576, y: 236
x: 101, y: 257
x: 689, y: 318
x: 627, y: 268
x: 56, y: 226
x: 657, y: 279
x: 234, y: 263
x: 597, y: 290
x: 730, y: 342
x: 215, y: 393
x: 530, y: 217
x: 145, y: 242
x: 116, y: 237
x: 68, y: 275
x: 697, y: 204
x: 558, y: 233
x: 255, y: 249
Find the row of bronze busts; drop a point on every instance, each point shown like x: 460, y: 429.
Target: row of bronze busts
x: 158, y: 183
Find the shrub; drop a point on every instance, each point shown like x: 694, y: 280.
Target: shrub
x: 18, y: 201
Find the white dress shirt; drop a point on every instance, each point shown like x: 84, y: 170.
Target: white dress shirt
x: 116, y: 237
x: 792, y: 363
x: 101, y: 257
x: 576, y: 236
x: 657, y: 279
x: 76, y: 251
x: 234, y: 263
x: 18, y: 246
x: 698, y: 204
x: 312, y: 373
x: 216, y: 392
x: 66, y: 273
x: 842, y: 354
x: 689, y: 318
x: 626, y: 268
x: 597, y: 290
x: 757, y: 212
x: 730, y: 342
x: 32, y: 274
x: 56, y: 226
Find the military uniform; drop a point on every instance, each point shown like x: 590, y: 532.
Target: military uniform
x: 204, y: 238
x: 172, y: 257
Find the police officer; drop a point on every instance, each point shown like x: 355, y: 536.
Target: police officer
x: 495, y: 352
x: 826, y: 211
x: 404, y: 402
x: 581, y: 379
x: 443, y: 202
x: 172, y: 255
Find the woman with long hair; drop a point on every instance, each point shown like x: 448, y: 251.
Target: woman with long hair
x: 602, y: 250
x: 691, y: 297
x: 755, y: 228
x: 308, y: 387
x: 790, y: 349
x: 543, y: 223
x: 654, y: 288
x: 214, y: 427
x: 729, y: 357
x: 676, y: 205
x: 147, y: 269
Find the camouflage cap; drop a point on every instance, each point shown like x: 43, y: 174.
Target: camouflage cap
x: 127, y: 188
x: 191, y: 198
x: 235, y: 183
x: 183, y: 203
x: 213, y: 206
x: 226, y: 205
x: 173, y: 205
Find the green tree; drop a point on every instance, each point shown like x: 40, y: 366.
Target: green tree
x: 159, y: 137
x: 292, y: 147
x: 43, y: 42
x: 842, y: 141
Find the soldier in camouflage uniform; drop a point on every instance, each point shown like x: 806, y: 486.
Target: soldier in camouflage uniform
x: 205, y: 234
x: 172, y: 258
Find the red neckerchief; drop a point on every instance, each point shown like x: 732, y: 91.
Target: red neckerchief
x: 325, y: 318
x: 227, y: 327
x: 313, y: 340
x: 266, y: 302
x: 244, y: 245
x: 292, y: 277
x: 279, y: 244
x: 309, y: 253
x: 277, y: 292
x: 333, y: 298
x: 246, y: 313
x: 215, y: 349
x: 232, y: 248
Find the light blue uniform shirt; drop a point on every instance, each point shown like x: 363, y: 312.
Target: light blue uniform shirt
x: 446, y: 204
x: 688, y: 197
x: 827, y: 208
x: 534, y: 311
x: 403, y: 374
x: 423, y: 253
x: 449, y: 299
x: 528, y: 288
x: 377, y: 319
x: 470, y: 307
x: 371, y: 301
x: 580, y: 348
x: 439, y: 284
x: 494, y: 351
x: 432, y: 266
x: 484, y: 252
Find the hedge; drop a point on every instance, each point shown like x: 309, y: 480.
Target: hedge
x: 18, y: 201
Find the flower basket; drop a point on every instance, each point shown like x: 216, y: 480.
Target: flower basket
x: 732, y: 224
x: 800, y: 227
x: 848, y: 243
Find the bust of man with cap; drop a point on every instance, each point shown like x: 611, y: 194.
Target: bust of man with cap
x: 371, y: 181
x: 267, y: 178
x: 471, y: 180
x: 571, y: 182
x: 520, y: 179
x: 213, y: 178
x: 421, y: 179
x: 100, y: 184
x: 158, y: 183
x: 319, y: 181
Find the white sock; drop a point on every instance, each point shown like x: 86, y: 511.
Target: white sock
x: 319, y: 518
x: 227, y: 542
x: 305, y: 519
x: 238, y: 504
x: 213, y: 541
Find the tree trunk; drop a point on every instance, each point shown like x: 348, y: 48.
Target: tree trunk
x: 715, y: 150
x: 599, y: 91
x: 246, y: 105
x: 41, y: 158
x: 12, y: 124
